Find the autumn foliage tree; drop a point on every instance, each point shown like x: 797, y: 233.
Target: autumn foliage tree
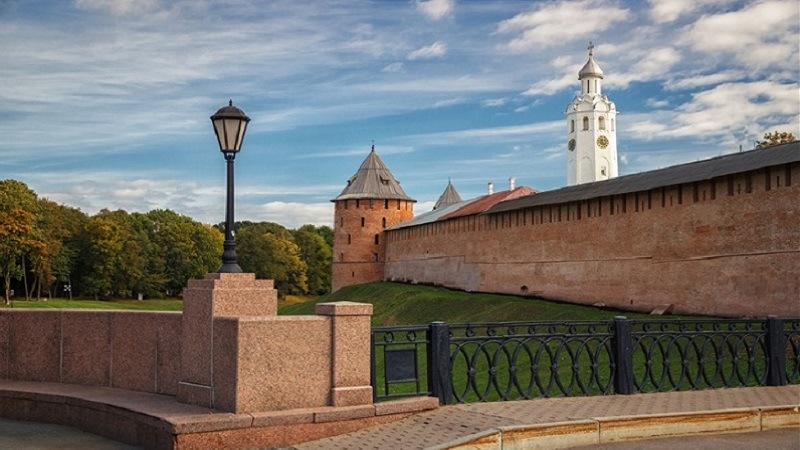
x: 47, y: 249
x: 775, y: 138
x: 18, y: 206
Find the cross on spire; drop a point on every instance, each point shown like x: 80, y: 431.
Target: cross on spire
x: 591, y: 47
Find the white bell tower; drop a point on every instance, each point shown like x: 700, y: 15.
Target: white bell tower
x: 591, y: 129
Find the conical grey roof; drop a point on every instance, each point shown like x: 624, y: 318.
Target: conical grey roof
x: 448, y: 197
x: 373, y: 180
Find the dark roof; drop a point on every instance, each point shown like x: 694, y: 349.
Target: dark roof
x: 373, y: 180
x: 670, y: 176
x: 448, y: 197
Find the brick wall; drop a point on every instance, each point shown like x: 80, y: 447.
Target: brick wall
x: 728, y: 246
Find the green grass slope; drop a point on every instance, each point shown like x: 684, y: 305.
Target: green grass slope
x: 146, y: 305
x: 403, y: 304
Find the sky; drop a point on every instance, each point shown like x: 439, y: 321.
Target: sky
x: 106, y: 103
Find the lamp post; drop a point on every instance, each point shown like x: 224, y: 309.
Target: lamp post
x: 230, y: 123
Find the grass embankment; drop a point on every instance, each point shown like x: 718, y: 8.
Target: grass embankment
x: 144, y: 305
x: 171, y: 304
x: 394, y: 304
x: 403, y: 304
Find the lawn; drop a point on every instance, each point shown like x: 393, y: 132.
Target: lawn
x: 404, y: 304
x: 141, y: 305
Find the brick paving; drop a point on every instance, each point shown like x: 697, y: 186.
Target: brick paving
x: 454, y: 422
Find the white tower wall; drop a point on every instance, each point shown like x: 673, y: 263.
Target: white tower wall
x: 591, y: 130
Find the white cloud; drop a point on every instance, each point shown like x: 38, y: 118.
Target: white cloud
x: 435, y: 50
x: 120, y: 8
x: 292, y: 214
x: 761, y: 35
x: 553, y: 85
x: 448, y: 102
x: 722, y: 111
x: 656, y: 103
x: 650, y: 65
x: 494, y: 102
x: 436, y: 9
x: 553, y: 23
x: 693, y: 82
x: 495, y: 135
x: 394, y: 67
x: 668, y: 11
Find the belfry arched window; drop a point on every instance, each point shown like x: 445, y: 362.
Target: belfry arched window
x: 571, y: 126
x: 585, y: 123
x: 601, y: 123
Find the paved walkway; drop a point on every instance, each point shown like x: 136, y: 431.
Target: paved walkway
x: 20, y: 435
x: 447, y: 425
x: 453, y: 423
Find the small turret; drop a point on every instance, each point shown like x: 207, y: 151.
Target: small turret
x: 449, y: 196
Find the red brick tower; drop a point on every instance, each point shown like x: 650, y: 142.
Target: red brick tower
x: 371, y: 201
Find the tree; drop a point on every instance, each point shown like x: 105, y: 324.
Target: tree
x: 776, y: 138
x: 182, y: 248
x: 18, y: 207
x: 116, y: 255
x: 268, y: 250
x: 317, y: 254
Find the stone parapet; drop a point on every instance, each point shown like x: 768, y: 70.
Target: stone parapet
x: 350, y: 324
x: 219, y: 294
x: 124, y: 349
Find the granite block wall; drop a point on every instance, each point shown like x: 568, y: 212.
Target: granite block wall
x: 124, y: 349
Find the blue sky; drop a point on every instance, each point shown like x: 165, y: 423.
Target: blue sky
x: 106, y: 103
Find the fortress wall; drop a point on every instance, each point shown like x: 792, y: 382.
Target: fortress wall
x: 728, y: 246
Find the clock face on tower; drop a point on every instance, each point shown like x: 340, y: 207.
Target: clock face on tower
x: 571, y: 145
x: 602, y: 142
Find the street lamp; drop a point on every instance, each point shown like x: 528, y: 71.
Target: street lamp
x: 230, y: 124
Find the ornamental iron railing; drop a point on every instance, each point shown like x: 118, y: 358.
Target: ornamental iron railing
x: 521, y: 360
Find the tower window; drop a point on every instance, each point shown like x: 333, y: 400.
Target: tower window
x: 384, y: 222
x: 375, y: 256
x: 585, y: 125
x: 377, y: 239
x: 612, y: 124
x: 349, y: 239
x: 341, y: 221
x: 601, y: 122
x: 386, y: 204
x: 571, y: 126
x: 362, y: 221
x: 358, y: 204
x: 371, y: 203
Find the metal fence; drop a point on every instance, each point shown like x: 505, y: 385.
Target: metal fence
x: 521, y: 360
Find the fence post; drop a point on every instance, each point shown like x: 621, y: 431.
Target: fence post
x: 623, y: 356
x: 373, y: 375
x: 439, y: 370
x: 776, y: 352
